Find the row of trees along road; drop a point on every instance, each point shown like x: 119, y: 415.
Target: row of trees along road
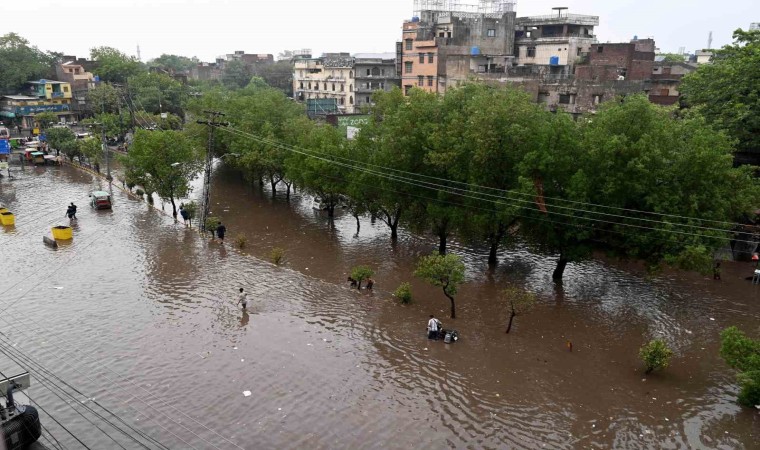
x: 635, y: 180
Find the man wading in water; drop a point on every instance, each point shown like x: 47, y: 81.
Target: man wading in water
x: 243, y: 299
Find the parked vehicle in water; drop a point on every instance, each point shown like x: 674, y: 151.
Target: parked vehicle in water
x: 100, y: 200
x: 4, y: 133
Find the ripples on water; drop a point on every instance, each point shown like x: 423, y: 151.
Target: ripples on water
x: 136, y: 303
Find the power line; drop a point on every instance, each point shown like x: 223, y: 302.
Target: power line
x: 446, y: 189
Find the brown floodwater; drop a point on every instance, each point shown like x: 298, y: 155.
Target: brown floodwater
x: 139, y: 313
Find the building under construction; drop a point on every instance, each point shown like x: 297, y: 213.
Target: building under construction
x: 446, y: 40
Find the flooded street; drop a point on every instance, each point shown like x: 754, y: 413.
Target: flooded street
x: 139, y: 313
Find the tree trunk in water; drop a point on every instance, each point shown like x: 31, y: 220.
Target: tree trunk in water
x: 331, y: 211
x: 492, y: 259
x: 174, y: 209
x: 442, y: 243
x: 453, y: 305
x: 394, y: 232
x: 559, y: 271
x: 358, y: 224
x: 511, y: 317
x: 287, y: 191
x: 359, y: 285
x: 274, y: 187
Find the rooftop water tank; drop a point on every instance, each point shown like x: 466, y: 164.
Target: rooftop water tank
x: 554, y: 61
x: 415, y: 19
x: 475, y: 51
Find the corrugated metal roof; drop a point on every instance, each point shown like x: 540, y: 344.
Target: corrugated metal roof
x: 19, y: 97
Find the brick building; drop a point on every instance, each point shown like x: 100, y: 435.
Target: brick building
x: 625, y: 61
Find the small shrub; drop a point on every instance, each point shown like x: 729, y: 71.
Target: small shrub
x: 404, y: 293
x: 192, y: 209
x: 211, y: 223
x: 655, y: 355
x: 139, y: 193
x: 240, y: 241
x: 130, y: 185
x: 150, y: 197
x: 360, y: 273
x: 276, y: 255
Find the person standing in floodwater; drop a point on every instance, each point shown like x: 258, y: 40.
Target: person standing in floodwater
x: 432, y: 327
x: 185, y: 215
x: 71, y: 211
x: 243, y: 299
x: 220, y: 231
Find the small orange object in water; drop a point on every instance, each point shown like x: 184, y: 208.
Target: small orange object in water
x: 569, y: 346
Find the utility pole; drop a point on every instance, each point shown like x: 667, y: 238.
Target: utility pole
x: 212, y: 123
x: 105, y: 144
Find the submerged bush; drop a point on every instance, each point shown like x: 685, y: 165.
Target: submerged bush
x: 276, y: 255
x: 404, y: 293
x: 655, y: 355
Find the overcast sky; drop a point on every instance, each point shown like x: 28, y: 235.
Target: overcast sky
x: 208, y: 28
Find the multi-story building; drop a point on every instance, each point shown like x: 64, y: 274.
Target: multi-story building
x: 329, y: 77
x: 373, y: 72
x: 553, y: 44
x: 703, y: 56
x: 665, y: 80
x: 42, y: 96
x: 81, y: 82
x: 754, y: 26
x: 447, y: 41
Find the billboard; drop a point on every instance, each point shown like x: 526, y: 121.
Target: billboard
x: 5, y: 147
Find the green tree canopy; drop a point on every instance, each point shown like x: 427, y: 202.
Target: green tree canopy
x: 60, y: 138
x: 163, y: 162
x: 46, y: 119
x: 115, y: 66
x: 104, y: 98
x: 236, y: 74
x: 173, y: 63
x: 743, y: 354
x: 727, y: 91
x: 157, y: 93
x: 22, y: 62
x: 444, y: 271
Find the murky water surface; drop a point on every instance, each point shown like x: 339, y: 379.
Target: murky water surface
x: 139, y: 314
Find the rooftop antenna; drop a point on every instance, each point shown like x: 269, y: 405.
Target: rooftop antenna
x: 709, y: 41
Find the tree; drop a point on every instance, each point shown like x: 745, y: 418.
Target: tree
x: 655, y: 355
x: 92, y: 149
x: 158, y: 93
x: 236, y: 75
x: 743, y: 354
x: 518, y: 302
x: 173, y: 63
x: 162, y: 162
x: 21, y: 62
x: 672, y: 57
x: 444, y: 271
x: 727, y: 90
x: 46, y: 119
x: 114, y: 66
x: 104, y: 98
x: 361, y: 273
x: 60, y: 138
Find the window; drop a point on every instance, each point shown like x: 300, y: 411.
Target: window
x: 408, y: 44
x: 333, y: 87
x: 430, y: 80
x: 351, y: 100
x: 430, y: 57
x: 598, y: 98
x: 531, y: 52
x: 420, y: 81
x: 382, y: 71
x: 65, y: 89
x: 567, y: 99
x: 442, y: 34
x: 491, y: 32
x: 325, y: 86
x: 375, y: 72
x: 369, y: 72
x: 599, y: 49
x: 367, y: 99
x: 342, y: 87
x: 578, y: 53
x: 351, y: 74
x: 543, y: 97
x: 408, y: 67
x: 422, y: 58
x: 342, y: 101
x: 300, y: 85
x: 407, y: 88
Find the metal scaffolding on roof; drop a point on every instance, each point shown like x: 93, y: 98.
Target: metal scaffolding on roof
x: 491, y: 7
